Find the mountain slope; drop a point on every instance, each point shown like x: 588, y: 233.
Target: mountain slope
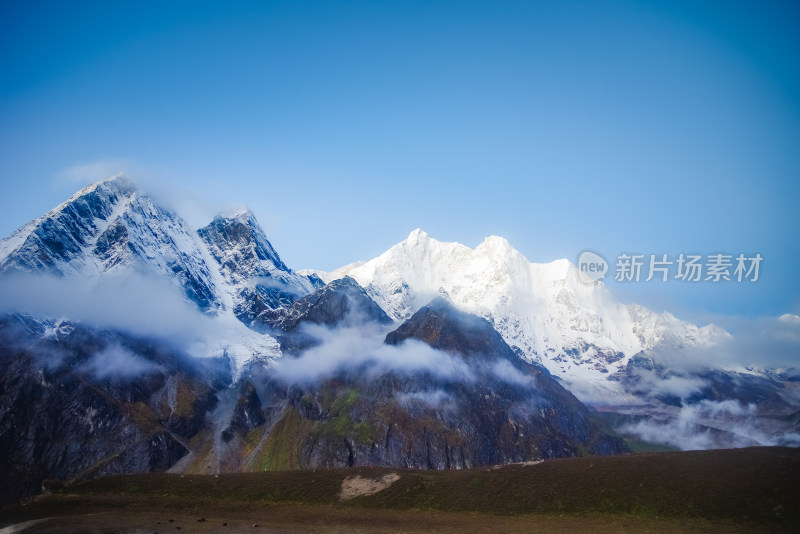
x: 445, y: 391
x: 106, y: 228
x: 578, y: 331
x: 112, y: 234
x: 77, y: 402
x: 255, y: 276
x: 445, y: 328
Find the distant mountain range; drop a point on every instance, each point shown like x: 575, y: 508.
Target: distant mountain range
x: 131, y: 343
x: 578, y: 331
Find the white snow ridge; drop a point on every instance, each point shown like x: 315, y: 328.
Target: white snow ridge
x: 578, y: 331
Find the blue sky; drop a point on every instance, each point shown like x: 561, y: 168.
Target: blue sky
x: 652, y: 127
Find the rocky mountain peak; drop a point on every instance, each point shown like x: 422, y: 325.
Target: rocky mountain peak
x: 442, y: 326
x: 257, y: 279
x: 108, y: 227
x: 342, y: 301
x: 50, y: 242
x: 542, y: 310
x: 240, y: 246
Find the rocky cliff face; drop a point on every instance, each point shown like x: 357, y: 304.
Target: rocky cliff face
x: 498, y: 410
x: 256, y: 277
x: 339, y: 302
x: 111, y: 227
x: 78, y: 403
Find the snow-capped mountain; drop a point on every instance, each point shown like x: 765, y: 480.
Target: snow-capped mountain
x: 578, y: 331
x: 112, y: 229
x: 151, y: 346
x: 256, y: 278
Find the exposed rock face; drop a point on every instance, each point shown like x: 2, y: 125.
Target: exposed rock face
x: 257, y: 277
x: 106, y: 227
x: 443, y: 327
x: 507, y: 410
x: 332, y: 304
x: 247, y: 415
x: 80, y: 403
x: 339, y: 302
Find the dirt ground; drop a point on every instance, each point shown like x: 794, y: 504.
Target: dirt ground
x: 295, y: 519
x: 357, y: 486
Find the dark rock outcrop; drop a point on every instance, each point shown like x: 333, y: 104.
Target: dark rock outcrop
x: 341, y: 302
x: 249, y: 263
x: 79, y: 403
x: 247, y: 415
x: 504, y: 410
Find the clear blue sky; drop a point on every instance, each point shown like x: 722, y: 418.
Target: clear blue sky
x: 657, y: 127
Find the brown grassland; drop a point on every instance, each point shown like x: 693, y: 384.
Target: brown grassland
x: 740, y: 490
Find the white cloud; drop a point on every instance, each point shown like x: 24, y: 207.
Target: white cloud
x: 93, y: 171
x: 505, y: 371
x: 434, y: 398
x: 118, y: 362
x: 132, y: 303
x: 711, y: 425
x: 362, y: 347
x: 138, y: 305
x: 653, y: 385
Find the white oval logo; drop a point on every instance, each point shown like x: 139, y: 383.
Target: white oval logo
x: 591, y: 267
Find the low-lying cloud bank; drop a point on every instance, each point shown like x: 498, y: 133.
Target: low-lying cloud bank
x: 750, y: 374
x: 713, y: 425
x: 138, y: 305
x: 132, y: 303
x: 764, y: 342
x: 357, y: 345
x: 116, y: 361
x: 361, y: 348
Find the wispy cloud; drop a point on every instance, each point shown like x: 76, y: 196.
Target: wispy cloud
x: 434, y: 398
x: 117, y: 362
x: 361, y: 348
x: 651, y: 385
x: 133, y: 303
x: 505, y: 371
x: 712, y: 425
x: 138, y: 305
x: 86, y: 173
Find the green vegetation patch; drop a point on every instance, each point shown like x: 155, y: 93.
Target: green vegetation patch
x: 283, y: 449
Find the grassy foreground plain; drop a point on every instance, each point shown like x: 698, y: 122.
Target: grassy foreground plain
x: 741, y: 490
